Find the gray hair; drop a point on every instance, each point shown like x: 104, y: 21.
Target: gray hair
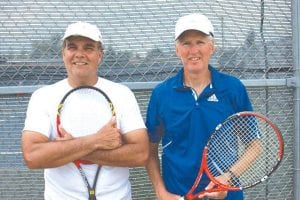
x: 100, y: 46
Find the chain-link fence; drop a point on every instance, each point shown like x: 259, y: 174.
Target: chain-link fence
x: 254, y: 43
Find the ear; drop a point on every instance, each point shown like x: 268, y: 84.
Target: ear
x: 213, y: 48
x: 177, y: 51
x: 62, y: 52
x: 101, y: 53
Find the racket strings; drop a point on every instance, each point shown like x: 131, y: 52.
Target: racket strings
x: 245, y: 138
x: 84, y: 112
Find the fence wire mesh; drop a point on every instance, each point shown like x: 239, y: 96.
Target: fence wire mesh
x: 254, y: 41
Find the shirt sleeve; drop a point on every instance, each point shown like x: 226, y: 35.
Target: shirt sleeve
x: 37, y: 119
x: 153, y: 120
x: 130, y: 117
x: 243, y: 102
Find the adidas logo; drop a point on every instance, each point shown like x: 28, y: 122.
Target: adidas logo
x: 213, y: 98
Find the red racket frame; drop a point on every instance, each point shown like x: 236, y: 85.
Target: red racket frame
x: 223, y: 187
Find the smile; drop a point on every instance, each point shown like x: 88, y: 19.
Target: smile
x: 79, y: 63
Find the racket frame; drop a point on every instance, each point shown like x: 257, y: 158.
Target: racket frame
x: 91, y: 190
x: 223, y: 187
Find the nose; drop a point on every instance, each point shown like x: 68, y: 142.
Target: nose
x: 193, y: 48
x: 79, y: 53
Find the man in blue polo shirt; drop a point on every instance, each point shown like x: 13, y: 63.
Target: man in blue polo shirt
x: 185, y: 109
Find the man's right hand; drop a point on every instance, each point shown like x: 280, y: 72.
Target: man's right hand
x: 109, y: 136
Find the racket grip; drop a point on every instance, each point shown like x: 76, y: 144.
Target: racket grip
x: 185, y: 198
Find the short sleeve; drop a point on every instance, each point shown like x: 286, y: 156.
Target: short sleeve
x: 153, y: 120
x: 37, y: 118
x: 128, y: 112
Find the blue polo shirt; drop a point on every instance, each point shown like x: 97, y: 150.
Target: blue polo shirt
x: 184, y: 123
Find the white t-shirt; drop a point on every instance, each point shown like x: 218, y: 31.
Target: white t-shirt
x: 65, y: 182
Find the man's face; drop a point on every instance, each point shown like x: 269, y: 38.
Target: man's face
x: 82, y: 56
x: 194, y: 49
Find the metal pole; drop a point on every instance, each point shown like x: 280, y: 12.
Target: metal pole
x: 296, y: 58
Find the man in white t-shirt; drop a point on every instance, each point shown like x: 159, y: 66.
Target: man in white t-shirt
x: 119, y: 144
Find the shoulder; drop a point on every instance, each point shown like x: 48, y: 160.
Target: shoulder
x: 110, y: 86
x: 223, y: 80
x: 168, y: 84
x: 50, y: 91
x: 162, y: 89
x: 167, y: 89
x: 56, y: 85
x: 116, y: 91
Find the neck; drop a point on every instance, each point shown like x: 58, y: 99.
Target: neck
x: 198, y: 81
x: 78, y: 82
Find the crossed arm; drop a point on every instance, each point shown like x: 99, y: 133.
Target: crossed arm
x: 106, y: 147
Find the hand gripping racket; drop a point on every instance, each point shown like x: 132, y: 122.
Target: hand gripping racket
x: 83, y: 111
x: 242, y: 152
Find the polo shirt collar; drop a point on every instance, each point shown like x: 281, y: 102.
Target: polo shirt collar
x: 179, y: 83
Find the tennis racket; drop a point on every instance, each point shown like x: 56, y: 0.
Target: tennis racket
x: 242, y: 152
x: 83, y: 111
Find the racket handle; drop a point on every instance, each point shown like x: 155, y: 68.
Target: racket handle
x: 185, y: 198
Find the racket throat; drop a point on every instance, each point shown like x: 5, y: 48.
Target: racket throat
x: 92, y: 194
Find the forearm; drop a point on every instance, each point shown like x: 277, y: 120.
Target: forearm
x: 250, y: 155
x: 133, y: 152
x: 42, y: 153
x: 128, y: 155
x: 153, y: 170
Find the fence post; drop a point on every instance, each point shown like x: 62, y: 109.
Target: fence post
x: 296, y: 58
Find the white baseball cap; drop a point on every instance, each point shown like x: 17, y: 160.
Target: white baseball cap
x: 83, y: 29
x: 193, y: 21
